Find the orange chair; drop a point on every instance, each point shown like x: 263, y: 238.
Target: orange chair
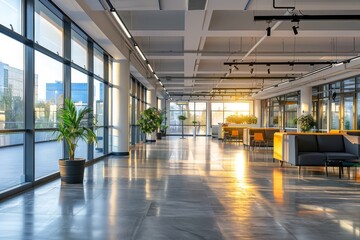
x: 259, y: 139
x: 234, y: 134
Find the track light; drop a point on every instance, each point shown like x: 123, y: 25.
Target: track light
x: 268, y: 70
x: 294, y: 28
x: 268, y: 31
x: 120, y: 22
x: 251, y: 70
x: 140, y: 52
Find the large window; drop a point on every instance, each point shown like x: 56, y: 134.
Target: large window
x: 49, y: 90
x: 44, y: 71
x: 48, y: 29
x: 10, y: 14
x: 11, y: 84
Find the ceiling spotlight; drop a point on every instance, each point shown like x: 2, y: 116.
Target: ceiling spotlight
x: 268, y: 70
x: 251, y: 70
x: 268, y: 31
x: 294, y: 28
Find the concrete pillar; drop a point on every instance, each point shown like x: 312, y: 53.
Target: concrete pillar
x: 257, y: 112
x: 208, y: 118
x: 121, y: 81
x: 305, y: 100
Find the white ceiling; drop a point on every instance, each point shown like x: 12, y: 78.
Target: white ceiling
x: 188, y: 48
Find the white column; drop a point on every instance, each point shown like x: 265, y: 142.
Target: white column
x: 121, y: 81
x: 208, y: 119
x: 257, y: 112
x: 305, y: 100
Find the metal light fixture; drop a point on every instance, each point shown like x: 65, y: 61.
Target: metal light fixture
x: 294, y: 28
x: 268, y: 31
x: 120, y: 22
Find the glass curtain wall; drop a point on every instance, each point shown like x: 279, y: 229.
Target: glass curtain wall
x: 338, y: 101
x: 280, y: 111
x: 48, y: 76
x: 194, y: 111
x: 138, y: 103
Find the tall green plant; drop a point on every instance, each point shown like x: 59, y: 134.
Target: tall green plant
x: 74, y: 125
x: 150, y: 120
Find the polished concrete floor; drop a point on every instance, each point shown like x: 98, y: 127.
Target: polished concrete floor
x: 189, y: 189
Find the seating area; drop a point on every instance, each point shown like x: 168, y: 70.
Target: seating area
x: 265, y: 136
x: 317, y: 149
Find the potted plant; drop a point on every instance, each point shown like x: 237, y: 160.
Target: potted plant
x: 182, y: 118
x: 74, y: 125
x: 150, y: 120
x: 305, y: 122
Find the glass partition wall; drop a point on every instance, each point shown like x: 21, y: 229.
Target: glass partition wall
x: 41, y: 56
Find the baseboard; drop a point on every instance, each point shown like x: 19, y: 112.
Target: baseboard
x: 120, y: 153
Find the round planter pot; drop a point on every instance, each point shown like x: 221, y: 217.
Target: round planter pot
x: 72, y: 171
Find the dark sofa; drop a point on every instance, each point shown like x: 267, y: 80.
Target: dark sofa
x: 317, y: 149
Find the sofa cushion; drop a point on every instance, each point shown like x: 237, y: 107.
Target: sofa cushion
x: 311, y: 159
x: 330, y: 143
x: 307, y: 143
x: 340, y: 156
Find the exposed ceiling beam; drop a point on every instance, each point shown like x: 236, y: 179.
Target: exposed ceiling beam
x: 279, y: 63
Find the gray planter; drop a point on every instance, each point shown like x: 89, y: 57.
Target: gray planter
x: 72, y: 171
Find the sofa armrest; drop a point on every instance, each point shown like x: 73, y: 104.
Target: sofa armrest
x: 352, y: 144
x: 290, y: 149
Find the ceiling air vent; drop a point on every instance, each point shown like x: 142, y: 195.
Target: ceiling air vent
x: 196, y: 4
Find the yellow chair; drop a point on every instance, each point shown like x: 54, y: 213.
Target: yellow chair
x: 259, y: 139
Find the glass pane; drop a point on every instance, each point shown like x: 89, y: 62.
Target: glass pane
x: 335, y: 110
x: 78, y: 50
x: 99, y: 147
x: 175, y: 106
x: 48, y: 90
x: 200, y: 106
x: 200, y: 117
x: 217, y: 106
x: 349, y: 85
x: 98, y: 108
x: 47, y: 153
x: 79, y: 94
x: 79, y: 88
x: 12, y: 163
x: 48, y: 29
x: 348, y: 113
x: 11, y: 84
x: 217, y: 117
x: 98, y: 63
x: 10, y: 14
x: 323, y: 106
